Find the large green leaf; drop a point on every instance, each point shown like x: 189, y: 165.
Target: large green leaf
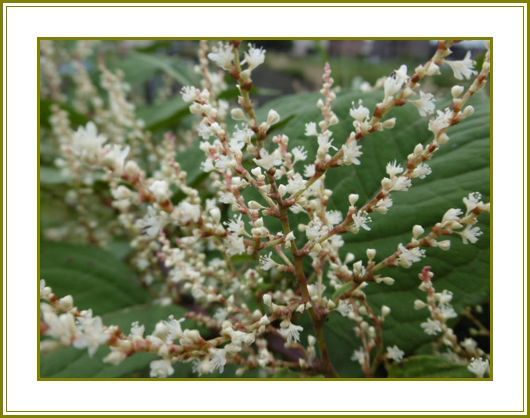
x: 428, y: 366
x: 460, y: 167
x: 94, y: 277
x: 139, y: 67
x: 163, y: 115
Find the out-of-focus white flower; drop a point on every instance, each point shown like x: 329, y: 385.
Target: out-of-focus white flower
x: 479, y: 367
x: 463, y: 69
x: 254, y: 57
x: 161, y: 368
x: 222, y: 55
x: 87, y: 143
x: 395, y: 354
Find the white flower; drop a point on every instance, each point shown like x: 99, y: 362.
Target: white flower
x: 266, y: 160
x: 441, y: 121
x: 115, y: 357
x: 324, y: 142
x: 316, y: 230
x: 395, y: 81
x: 311, y: 129
x: 361, y: 220
x: 160, y: 189
x: 409, y: 256
x: 61, y: 326
x: 394, y: 353
x: 86, y: 143
x: 152, y: 223
x: 359, y: 113
x: 161, y: 368
x: 463, y: 69
x: 299, y: 154
x: 444, y: 297
x: 452, y: 215
x: 114, y: 156
x: 186, y: 212
x: 422, y: 171
x: 401, y: 184
x: 222, y: 55
x: 352, y: 152
x: 189, y: 93
x: 218, y: 359
x: 91, y: 333
x: 169, y: 330
x: 479, y: 367
x: 289, y: 331
x: 234, y: 245
x: 393, y: 169
x: 236, y: 225
x: 359, y: 356
x: 309, y: 170
x: 425, y: 104
x: 295, y: 184
x: 431, y: 327
x: 473, y: 201
x: 334, y: 216
x: 254, y: 57
x: 266, y: 262
x: 469, y: 344
x: 447, y: 312
x: 470, y: 234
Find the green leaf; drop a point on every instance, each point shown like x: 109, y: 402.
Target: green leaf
x: 460, y: 167
x: 139, y: 67
x: 94, y: 277
x: 163, y: 115
x: 51, y: 175
x: 342, y: 290
x: 428, y: 367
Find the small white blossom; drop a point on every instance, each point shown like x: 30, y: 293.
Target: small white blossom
x: 91, y: 333
x: 395, y: 354
x: 393, y: 169
x: 352, y: 152
x: 160, y: 189
x: 311, y: 129
x: 289, y: 331
x: 409, y: 256
x: 359, y: 113
x: 479, y: 367
x: 463, y: 69
x: 266, y: 262
x: 470, y: 234
x: 359, y: 356
x: 254, y: 57
x: 299, y: 154
x: 266, y: 160
x: 431, y: 327
x: 441, y: 121
x: 87, y: 143
x: 395, y: 81
x: 161, y: 368
x: 222, y: 55
x: 425, y: 104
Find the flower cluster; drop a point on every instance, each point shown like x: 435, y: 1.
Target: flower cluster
x: 266, y: 202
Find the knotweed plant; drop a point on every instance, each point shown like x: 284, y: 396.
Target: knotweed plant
x: 249, y: 260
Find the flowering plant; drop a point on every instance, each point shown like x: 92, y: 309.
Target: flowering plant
x: 338, y: 234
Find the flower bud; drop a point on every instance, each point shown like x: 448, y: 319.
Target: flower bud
x: 385, y: 311
x: 468, y: 111
x: 457, y: 91
x: 353, y: 198
x: 417, y: 230
x: 389, y: 123
x: 237, y: 114
x: 273, y: 117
